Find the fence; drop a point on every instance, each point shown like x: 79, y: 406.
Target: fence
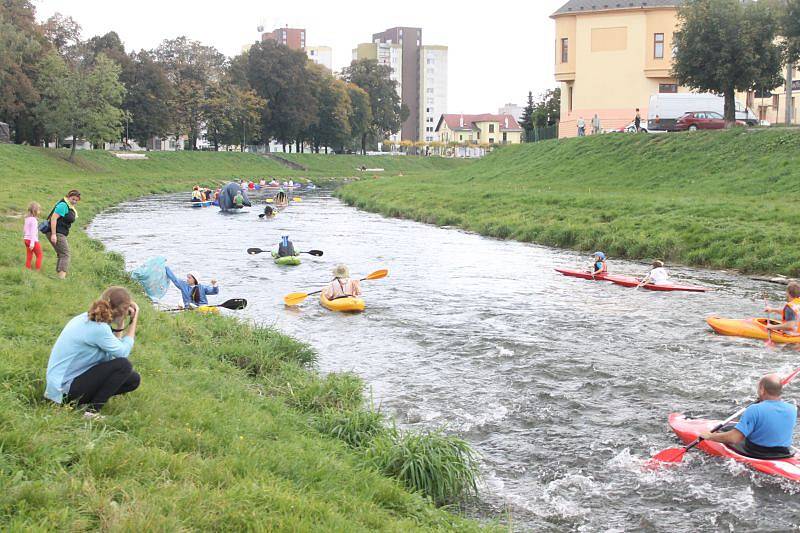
x: 541, y: 134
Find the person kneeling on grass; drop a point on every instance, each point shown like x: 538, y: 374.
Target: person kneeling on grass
x: 89, y: 361
x: 765, y: 429
x: 657, y: 276
x: 342, y: 286
x: 193, y: 293
x: 790, y: 313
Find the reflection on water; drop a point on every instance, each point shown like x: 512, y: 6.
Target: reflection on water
x: 563, y: 385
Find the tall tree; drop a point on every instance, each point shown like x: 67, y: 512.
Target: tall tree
x: 193, y: 69
x: 232, y: 115
x: 360, y: 112
x: 81, y: 101
x: 526, y: 120
x: 148, y: 99
x: 547, y: 110
x: 332, y: 125
x: 64, y: 34
x: 22, y: 45
x: 724, y: 46
x: 387, y: 111
x: 279, y: 76
x: 790, y: 30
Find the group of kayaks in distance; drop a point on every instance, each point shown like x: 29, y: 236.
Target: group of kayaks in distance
x: 762, y: 437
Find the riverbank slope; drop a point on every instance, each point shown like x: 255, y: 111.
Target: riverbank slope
x: 224, y: 433
x: 713, y: 199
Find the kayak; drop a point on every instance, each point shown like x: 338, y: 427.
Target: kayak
x: 688, y: 430
x: 750, y: 328
x: 342, y: 304
x: 660, y: 287
x: 289, y: 260
x: 202, y: 204
x: 583, y: 274
x: 207, y: 310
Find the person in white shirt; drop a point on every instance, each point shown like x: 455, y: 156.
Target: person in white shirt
x: 342, y: 286
x: 657, y: 276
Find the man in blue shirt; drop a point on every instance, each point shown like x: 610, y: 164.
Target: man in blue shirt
x: 765, y: 429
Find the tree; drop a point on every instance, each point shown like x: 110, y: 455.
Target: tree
x: 148, y: 98
x: 332, y: 124
x: 279, y: 76
x: 81, y: 101
x: 192, y: 68
x: 790, y: 30
x: 547, y: 110
x: 387, y: 111
x: 360, y: 113
x: 64, y: 34
x: 231, y: 112
x: 526, y: 121
x: 724, y: 46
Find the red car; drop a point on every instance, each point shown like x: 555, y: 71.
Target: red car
x: 702, y: 120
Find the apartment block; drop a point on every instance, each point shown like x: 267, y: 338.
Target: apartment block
x: 421, y: 71
x: 294, y: 38
x: 321, y: 55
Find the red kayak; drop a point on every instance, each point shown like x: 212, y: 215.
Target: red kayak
x: 688, y: 430
x: 633, y: 282
x: 583, y: 274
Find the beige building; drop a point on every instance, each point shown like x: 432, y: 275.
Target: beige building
x: 611, y: 57
x: 478, y: 129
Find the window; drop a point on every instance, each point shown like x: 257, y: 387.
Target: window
x: 505, y: 137
x: 431, y: 61
x: 565, y: 50
x: 491, y: 128
x: 668, y: 88
x: 570, y: 92
x: 430, y: 91
x: 658, y: 46
x: 491, y: 140
x: 460, y: 137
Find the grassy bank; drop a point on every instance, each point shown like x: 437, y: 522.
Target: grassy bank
x: 715, y: 199
x: 231, y: 429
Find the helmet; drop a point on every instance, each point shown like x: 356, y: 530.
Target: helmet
x: 601, y: 255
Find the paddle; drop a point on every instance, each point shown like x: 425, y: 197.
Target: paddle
x: 296, y: 298
x: 256, y: 251
x: 234, y: 304
x: 675, y: 455
x: 768, y: 343
x: 297, y: 199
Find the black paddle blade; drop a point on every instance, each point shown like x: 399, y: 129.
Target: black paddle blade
x: 235, y: 304
x: 316, y: 253
x: 254, y: 251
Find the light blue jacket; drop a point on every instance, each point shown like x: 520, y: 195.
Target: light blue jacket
x: 186, y: 290
x: 81, y: 345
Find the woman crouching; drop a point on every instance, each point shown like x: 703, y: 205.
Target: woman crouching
x: 89, y: 361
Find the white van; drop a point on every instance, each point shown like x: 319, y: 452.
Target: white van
x: 669, y: 107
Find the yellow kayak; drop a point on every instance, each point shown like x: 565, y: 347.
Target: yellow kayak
x: 750, y: 328
x: 208, y: 309
x: 342, y: 304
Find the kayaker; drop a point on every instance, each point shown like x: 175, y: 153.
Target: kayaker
x: 281, y: 198
x: 657, y: 276
x: 269, y: 211
x: 286, y: 247
x: 342, y: 286
x: 238, y: 200
x: 790, y: 313
x: 197, y: 195
x: 193, y: 293
x: 599, y: 266
x: 765, y: 429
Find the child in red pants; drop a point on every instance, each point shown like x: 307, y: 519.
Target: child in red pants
x: 31, y: 236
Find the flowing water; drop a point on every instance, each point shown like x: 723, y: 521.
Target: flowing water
x: 562, y: 385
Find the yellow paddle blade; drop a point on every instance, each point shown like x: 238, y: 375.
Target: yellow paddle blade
x: 270, y: 200
x: 297, y: 199
x: 378, y: 274
x: 295, y: 298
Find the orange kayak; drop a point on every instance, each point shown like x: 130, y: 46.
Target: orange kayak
x: 750, y: 328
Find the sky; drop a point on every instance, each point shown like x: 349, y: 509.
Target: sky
x: 497, y: 52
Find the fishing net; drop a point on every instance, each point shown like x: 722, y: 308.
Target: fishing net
x: 153, y: 277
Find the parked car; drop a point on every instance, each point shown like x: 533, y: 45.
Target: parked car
x: 703, y: 120
x: 630, y: 128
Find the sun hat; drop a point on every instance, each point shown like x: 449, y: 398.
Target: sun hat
x: 658, y: 264
x: 341, y: 272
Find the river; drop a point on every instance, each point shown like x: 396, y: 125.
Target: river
x: 562, y: 385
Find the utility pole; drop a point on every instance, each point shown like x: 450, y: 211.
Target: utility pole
x: 789, y: 83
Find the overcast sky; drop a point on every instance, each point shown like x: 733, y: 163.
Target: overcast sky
x: 497, y: 52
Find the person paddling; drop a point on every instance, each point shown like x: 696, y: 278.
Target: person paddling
x: 599, y: 266
x: 193, y: 293
x: 657, y: 276
x: 281, y: 199
x: 342, y: 286
x: 286, y: 247
x: 790, y: 313
x: 765, y: 429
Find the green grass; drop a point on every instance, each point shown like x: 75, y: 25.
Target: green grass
x: 348, y: 165
x: 713, y: 199
x: 224, y: 432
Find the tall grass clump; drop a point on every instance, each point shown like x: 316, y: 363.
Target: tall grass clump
x: 357, y: 428
x: 442, y: 467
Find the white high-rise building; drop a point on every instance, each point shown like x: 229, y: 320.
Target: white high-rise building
x: 512, y: 109
x: 321, y: 55
x: 432, y: 89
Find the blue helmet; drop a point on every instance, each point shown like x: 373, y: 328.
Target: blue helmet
x: 601, y: 255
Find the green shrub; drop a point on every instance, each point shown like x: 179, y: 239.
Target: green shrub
x: 358, y: 428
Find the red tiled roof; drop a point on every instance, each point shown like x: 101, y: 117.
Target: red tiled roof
x: 454, y: 121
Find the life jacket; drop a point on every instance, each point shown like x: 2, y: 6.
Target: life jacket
x: 286, y: 250
x: 197, y: 196
x: 600, y: 267
x: 64, y: 223
x: 794, y: 305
